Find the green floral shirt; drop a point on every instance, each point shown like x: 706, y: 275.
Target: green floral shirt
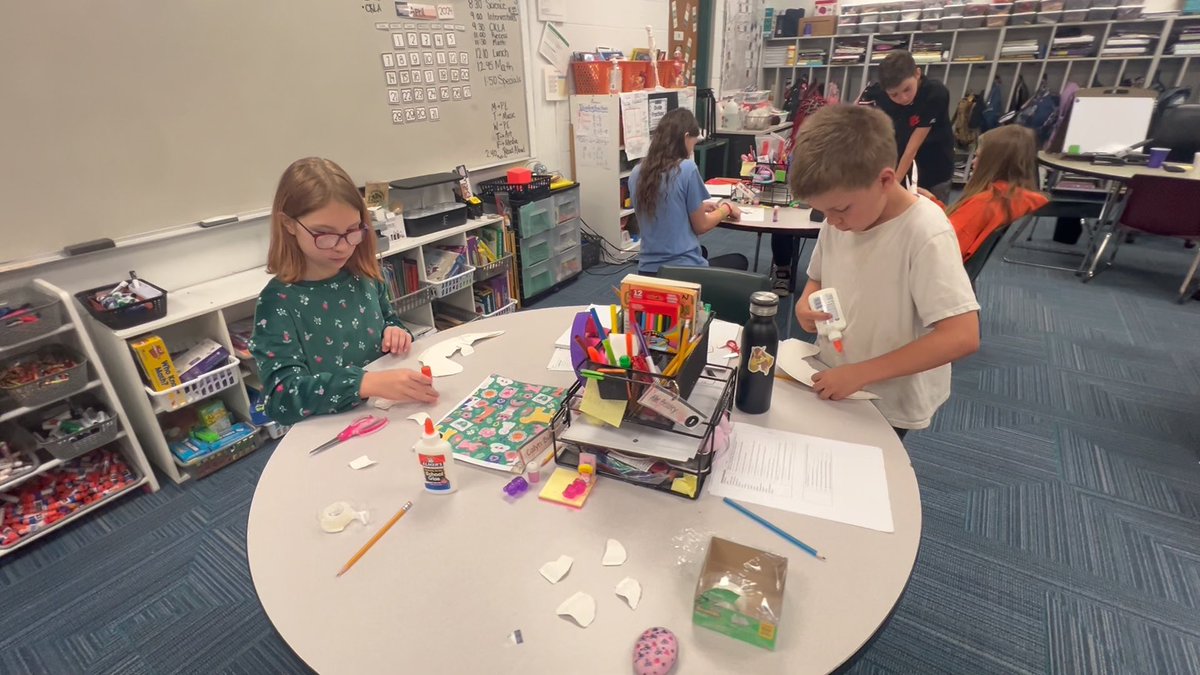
x: 312, y: 340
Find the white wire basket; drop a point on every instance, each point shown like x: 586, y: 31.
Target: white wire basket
x: 454, y: 284
x: 197, y: 390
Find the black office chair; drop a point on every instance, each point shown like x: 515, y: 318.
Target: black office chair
x: 975, y: 264
x: 726, y: 291
x: 1178, y: 129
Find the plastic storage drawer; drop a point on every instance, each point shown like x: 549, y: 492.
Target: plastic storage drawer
x: 536, y: 249
x: 566, y: 236
x: 567, y: 264
x: 566, y: 206
x: 537, y: 278
x: 535, y: 218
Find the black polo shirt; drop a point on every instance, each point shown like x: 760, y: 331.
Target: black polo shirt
x: 930, y: 108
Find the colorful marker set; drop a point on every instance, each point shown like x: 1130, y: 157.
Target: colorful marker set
x: 618, y: 350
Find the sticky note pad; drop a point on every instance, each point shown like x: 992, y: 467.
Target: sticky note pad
x: 559, y: 480
x: 610, y: 412
x: 684, y: 485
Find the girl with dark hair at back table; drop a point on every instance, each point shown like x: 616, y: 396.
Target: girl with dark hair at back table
x: 669, y: 196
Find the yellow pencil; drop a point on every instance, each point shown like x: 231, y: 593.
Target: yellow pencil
x: 382, y: 531
x: 613, y: 314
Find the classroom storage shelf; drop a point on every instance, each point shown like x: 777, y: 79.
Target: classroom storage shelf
x: 207, y: 309
x: 97, y: 390
x: 199, y: 389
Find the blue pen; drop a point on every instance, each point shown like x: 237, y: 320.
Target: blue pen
x: 599, y: 326
x: 772, y: 527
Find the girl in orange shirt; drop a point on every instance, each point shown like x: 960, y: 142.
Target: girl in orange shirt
x: 1002, y: 187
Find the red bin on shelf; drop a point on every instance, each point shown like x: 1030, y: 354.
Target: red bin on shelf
x: 592, y: 77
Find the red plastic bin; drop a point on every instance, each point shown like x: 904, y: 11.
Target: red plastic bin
x: 592, y: 77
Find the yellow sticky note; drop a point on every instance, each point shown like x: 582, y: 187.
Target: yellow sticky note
x: 609, y: 412
x: 685, y: 485
x: 558, y: 481
x: 747, y: 169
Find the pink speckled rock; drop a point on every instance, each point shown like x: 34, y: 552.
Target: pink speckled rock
x: 655, y: 652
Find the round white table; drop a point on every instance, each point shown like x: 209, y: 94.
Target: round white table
x: 443, y: 590
x: 793, y: 221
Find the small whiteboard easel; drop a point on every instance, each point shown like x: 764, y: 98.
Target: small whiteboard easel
x: 1107, y: 120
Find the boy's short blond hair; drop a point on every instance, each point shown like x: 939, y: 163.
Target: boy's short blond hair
x: 841, y: 147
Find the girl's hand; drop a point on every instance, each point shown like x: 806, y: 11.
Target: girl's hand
x: 399, y: 385
x: 396, y: 340
x: 709, y: 207
x: 735, y: 213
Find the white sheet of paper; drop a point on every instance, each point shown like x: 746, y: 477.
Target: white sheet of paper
x: 793, y: 355
x: 602, y: 311
x: 720, y: 333
x: 560, y: 360
x: 753, y: 214
x: 554, y: 83
x: 635, y: 121
x: 720, y: 190
x: 555, y: 48
x: 361, y: 462
x: 552, y: 10
x: 820, y: 477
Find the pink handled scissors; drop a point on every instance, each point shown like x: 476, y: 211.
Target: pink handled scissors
x: 363, y: 426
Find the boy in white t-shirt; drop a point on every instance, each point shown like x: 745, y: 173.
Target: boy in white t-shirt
x: 895, y: 262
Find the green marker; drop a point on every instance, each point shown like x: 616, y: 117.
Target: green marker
x: 625, y: 362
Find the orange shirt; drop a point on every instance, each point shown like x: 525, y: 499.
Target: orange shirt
x: 983, y: 214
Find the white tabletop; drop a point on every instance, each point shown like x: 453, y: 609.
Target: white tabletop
x: 754, y: 132
x: 446, y: 586
x: 1123, y: 173
x: 791, y: 221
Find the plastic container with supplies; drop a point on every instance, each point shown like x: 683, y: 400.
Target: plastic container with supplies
x: 536, y: 249
x: 197, y: 390
x: 635, y: 75
x: 436, y: 458
x: 18, y: 454
x: 566, y: 236
x: 566, y: 206
x: 454, y: 284
x: 110, y: 305
x: 592, y: 77
x: 47, y: 374
x: 567, y: 265
x: 26, y: 314
x: 536, y: 188
x: 97, y: 428
x: 535, y: 218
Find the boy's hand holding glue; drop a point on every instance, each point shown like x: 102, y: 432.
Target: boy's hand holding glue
x: 807, y: 317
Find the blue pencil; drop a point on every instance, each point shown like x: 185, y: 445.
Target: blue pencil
x: 774, y: 528
x: 599, y: 326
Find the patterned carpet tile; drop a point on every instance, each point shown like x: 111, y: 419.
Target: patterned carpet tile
x: 1087, y: 637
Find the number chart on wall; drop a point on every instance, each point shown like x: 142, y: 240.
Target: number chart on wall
x: 191, y: 109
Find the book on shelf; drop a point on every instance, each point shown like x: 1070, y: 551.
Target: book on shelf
x: 444, y: 262
x: 410, y: 274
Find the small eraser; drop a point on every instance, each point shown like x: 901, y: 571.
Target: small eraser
x: 89, y: 246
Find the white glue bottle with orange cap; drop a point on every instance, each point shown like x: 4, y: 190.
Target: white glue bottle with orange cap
x: 437, y: 461
x: 826, y: 300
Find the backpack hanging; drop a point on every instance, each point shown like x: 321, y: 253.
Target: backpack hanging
x: 992, y: 107
x: 1020, y: 95
x: 965, y: 134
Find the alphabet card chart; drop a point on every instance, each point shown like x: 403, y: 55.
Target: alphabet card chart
x: 426, y: 64
x: 503, y: 424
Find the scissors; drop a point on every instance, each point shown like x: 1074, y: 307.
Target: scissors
x: 733, y: 347
x: 363, y: 426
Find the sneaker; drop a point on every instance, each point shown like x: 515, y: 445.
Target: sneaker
x: 781, y: 280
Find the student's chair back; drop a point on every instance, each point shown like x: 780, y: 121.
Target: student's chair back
x: 726, y: 291
x: 1165, y: 207
x: 975, y: 263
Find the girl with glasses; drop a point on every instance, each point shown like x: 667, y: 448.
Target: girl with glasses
x: 325, y: 315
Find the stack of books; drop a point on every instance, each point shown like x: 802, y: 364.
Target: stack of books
x: 809, y: 57
x: 1188, y: 43
x: 443, y: 262
x: 849, y: 53
x: 1020, y: 49
x: 1075, y: 46
x: 884, y: 46
x: 400, y: 277
x: 485, y: 248
x: 778, y: 56
x: 926, y: 50
x: 491, y: 295
x: 1128, y: 43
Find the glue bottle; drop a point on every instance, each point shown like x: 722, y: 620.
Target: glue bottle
x: 437, y: 461
x: 826, y: 300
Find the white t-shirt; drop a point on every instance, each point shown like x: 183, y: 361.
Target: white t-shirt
x: 895, y: 281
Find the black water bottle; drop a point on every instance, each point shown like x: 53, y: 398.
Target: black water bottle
x: 760, y: 345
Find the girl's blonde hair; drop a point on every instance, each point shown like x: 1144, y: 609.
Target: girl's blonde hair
x: 1008, y: 154
x: 305, y: 186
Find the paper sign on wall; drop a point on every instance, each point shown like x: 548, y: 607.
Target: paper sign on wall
x: 635, y: 121
x: 552, y: 10
x: 555, y: 48
x: 555, y: 84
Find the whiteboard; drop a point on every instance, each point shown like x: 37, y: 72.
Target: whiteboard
x: 129, y: 116
x: 1108, y: 123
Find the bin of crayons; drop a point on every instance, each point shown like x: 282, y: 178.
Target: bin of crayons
x: 47, y: 374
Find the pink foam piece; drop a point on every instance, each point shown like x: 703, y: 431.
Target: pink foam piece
x: 655, y: 652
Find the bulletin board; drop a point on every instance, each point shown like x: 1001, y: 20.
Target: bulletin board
x: 684, y: 36
x: 127, y: 117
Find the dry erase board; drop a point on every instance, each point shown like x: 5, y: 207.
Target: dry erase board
x: 126, y: 117
x: 1101, y: 123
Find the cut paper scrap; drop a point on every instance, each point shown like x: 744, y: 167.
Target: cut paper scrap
x: 558, y: 481
x: 361, y: 463
x: 614, y: 554
x: 581, y: 607
x: 792, y: 362
x: 438, y: 356
x: 419, y: 418
x: 631, y: 590
x: 555, y: 570
x: 611, y: 412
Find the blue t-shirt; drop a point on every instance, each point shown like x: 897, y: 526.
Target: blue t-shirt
x: 667, y: 238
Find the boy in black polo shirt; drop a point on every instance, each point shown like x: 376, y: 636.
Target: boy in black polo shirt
x: 920, y: 112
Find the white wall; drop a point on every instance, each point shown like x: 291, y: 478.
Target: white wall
x: 620, y: 24
x: 189, y: 259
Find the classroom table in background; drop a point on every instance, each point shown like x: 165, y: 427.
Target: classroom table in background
x: 741, y: 142
x: 793, y: 221
x: 448, y: 584
x: 1110, y: 214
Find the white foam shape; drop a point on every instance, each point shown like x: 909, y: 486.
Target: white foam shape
x: 361, y: 463
x: 581, y: 607
x: 792, y: 360
x: 383, y: 403
x: 631, y: 590
x: 614, y: 554
x: 437, y: 357
x: 555, y: 570
x: 419, y: 418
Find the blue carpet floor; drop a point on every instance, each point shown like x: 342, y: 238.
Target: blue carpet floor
x: 1060, y: 487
